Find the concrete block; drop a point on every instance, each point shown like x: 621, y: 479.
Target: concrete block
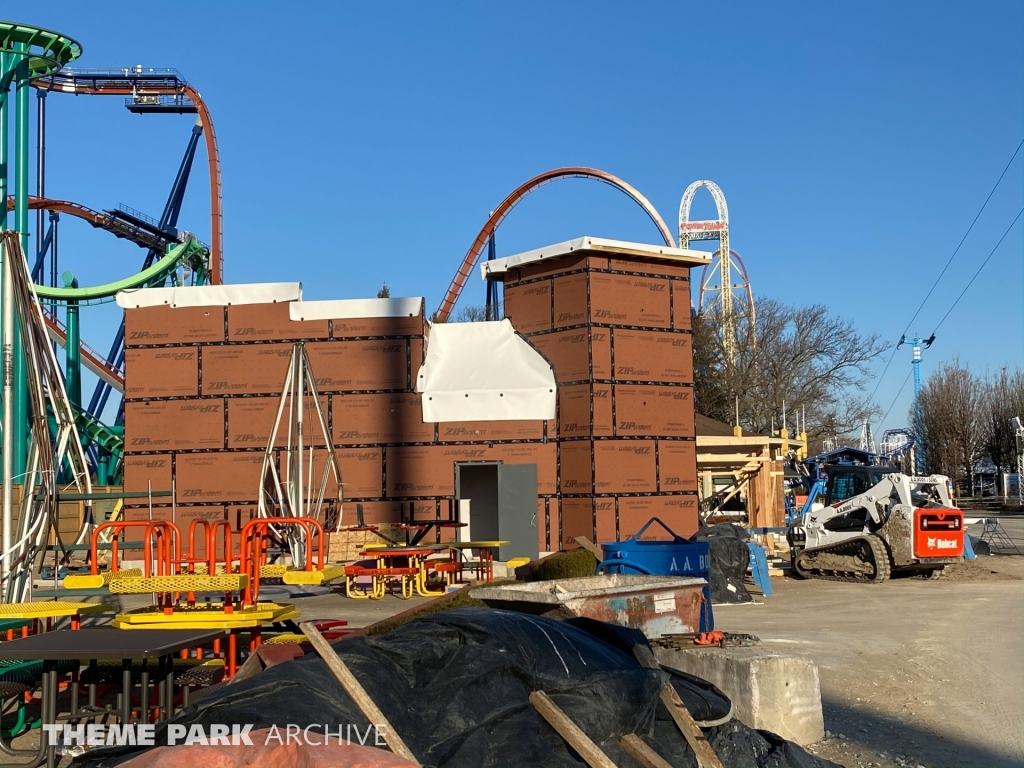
x: 769, y: 691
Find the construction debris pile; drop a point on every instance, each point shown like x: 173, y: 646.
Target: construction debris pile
x: 457, y: 688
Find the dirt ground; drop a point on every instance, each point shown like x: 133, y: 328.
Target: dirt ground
x: 913, y: 672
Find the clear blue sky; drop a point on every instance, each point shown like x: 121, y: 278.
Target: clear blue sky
x: 368, y: 142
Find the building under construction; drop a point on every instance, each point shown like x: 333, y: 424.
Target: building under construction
x: 571, y: 417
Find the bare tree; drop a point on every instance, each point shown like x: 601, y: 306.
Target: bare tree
x: 1002, y: 399
x: 949, y: 422
x: 800, y: 358
x: 471, y: 314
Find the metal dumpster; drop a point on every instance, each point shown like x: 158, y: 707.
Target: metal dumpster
x: 656, y: 605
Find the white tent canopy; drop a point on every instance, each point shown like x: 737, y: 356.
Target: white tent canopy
x: 484, y: 372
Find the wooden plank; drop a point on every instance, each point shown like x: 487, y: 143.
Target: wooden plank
x: 643, y: 754
x: 356, y: 691
x: 569, y: 731
x: 706, y: 757
x: 587, y: 544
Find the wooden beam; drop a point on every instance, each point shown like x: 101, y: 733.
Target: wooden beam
x: 706, y: 757
x: 356, y: 691
x: 643, y: 754
x: 590, y: 546
x: 568, y: 730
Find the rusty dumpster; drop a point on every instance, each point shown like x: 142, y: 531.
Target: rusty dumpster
x: 656, y: 605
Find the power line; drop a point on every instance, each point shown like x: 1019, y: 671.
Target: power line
x: 950, y: 261
x: 991, y: 253
x: 970, y: 282
x: 1001, y: 175
x: 897, y: 396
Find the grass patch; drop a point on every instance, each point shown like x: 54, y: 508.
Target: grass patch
x: 571, y: 564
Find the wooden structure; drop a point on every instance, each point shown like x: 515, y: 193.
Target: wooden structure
x: 741, y: 472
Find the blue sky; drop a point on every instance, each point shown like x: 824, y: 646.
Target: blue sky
x: 368, y: 142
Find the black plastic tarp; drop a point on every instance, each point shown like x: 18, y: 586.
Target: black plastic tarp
x: 729, y: 561
x: 456, y: 685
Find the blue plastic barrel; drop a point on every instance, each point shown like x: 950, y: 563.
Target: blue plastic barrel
x: 676, y: 557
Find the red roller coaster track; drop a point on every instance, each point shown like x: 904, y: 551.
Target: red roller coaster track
x: 110, y: 87
x: 510, y: 202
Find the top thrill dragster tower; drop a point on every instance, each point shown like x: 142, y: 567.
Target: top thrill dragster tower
x: 718, y: 293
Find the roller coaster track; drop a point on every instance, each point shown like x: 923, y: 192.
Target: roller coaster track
x: 510, y: 202
x: 188, y: 252
x: 111, y: 221
x: 139, y: 84
x: 91, y: 359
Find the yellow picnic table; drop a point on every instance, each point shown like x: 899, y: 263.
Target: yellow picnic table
x: 484, y: 565
x: 54, y: 610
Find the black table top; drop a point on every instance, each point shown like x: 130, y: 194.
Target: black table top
x: 105, y: 643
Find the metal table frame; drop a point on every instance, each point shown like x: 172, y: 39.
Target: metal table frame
x: 166, y: 643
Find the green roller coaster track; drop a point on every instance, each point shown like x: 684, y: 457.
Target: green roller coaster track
x: 191, y: 253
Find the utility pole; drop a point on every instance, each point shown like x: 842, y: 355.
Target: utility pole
x: 917, y: 344
x: 1018, y: 429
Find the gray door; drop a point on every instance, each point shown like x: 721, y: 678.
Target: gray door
x: 517, y: 511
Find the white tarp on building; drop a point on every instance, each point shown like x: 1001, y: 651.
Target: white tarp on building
x: 209, y: 295
x: 484, y: 372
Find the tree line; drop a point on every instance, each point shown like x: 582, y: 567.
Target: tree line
x: 963, y: 422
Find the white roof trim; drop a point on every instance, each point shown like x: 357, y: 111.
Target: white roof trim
x: 685, y: 256
x: 210, y: 295
x: 484, y: 372
x: 345, y: 308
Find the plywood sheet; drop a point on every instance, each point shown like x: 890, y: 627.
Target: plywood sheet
x: 377, y: 326
x: 650, y: 409
x: 570, y: 299
x: 604, y: 516
x: 541, y: 454
x: 264, y: 322
x: 174, y: 424
x: 629, y: 300
x: 379, y: 418
x: 574, y: 410
x: 601, y: 352
x: 602, y: 410
x: 415, y: 359
x: 678, y: 512
x: 677, y: 465
x: 156, y: 372
x: 528, y: 306
x: 244, y: 368
x: 577, y: 520
x: 575, y: 467
x: 361, y: 472
x: 163, y: 325
x: 552, y: 266
x: 250, y: 420
x: 489, y: 431
x: 653, y: 356
x: 649, y: 267
x: 624, y: 466
x: 359, y: 365
x: 568, y: 352
x: 426, y: 470
x: 682, y: 301
x: 375, y: 513
x: 140, y: 471
x: 218, y: 476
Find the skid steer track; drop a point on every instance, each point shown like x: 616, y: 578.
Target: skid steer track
x: 864, y: 560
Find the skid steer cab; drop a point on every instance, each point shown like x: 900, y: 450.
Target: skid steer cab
x: 877, y: 521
